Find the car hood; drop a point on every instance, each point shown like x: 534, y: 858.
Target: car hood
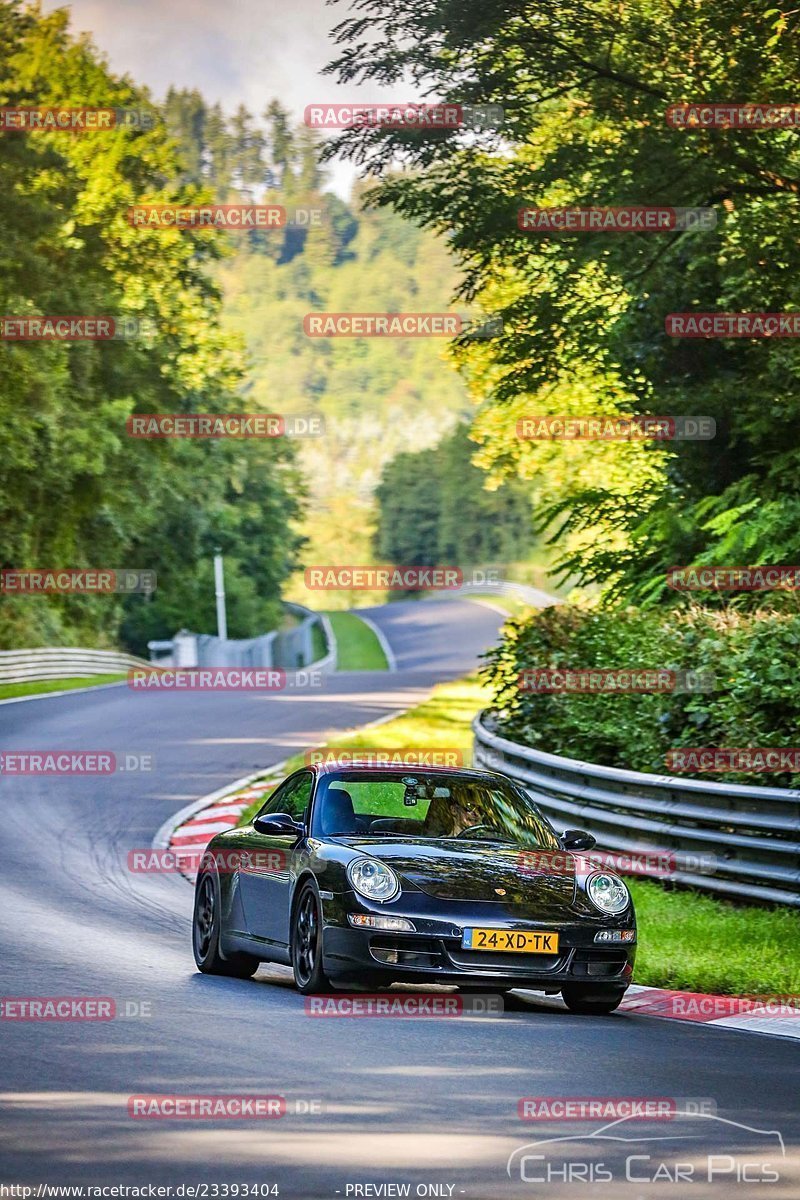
x: 450, y: 870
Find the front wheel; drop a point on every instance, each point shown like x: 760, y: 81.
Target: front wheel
x: 205, y: 935
x: 309, y: 976
x: 599, y: 1001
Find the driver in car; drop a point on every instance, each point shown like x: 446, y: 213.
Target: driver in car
x: 447, y: 818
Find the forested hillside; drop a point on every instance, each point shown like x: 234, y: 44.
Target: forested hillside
x: 380, y: 397
x: 225, y: 334
x: 75, y: 489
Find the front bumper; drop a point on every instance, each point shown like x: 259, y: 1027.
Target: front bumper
x: 434, y: 953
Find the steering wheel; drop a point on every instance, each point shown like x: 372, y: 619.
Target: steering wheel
x: 473, y: 828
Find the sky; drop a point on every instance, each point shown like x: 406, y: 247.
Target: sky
x: 233, y: 51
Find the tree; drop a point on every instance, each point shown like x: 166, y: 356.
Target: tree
x: 585, y: 88
x: 280, y: 135
x: 75, y: 489
x: 434, y: 507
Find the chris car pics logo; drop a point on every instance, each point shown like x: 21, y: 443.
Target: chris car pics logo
x: 700, y: 1150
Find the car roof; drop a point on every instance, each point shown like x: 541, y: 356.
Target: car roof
x: 335, y: 768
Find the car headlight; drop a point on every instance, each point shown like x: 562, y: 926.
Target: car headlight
x: 608, y: 893
x: 373, y: 879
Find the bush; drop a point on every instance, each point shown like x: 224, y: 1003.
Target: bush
x: 752, y: 657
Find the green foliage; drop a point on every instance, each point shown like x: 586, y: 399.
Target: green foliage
x: 378, y: 396
x: 75, y: 490
x: 11, y: 691
x: 358, y: 649
x: 705, y: 945
x: 433, y: 507
x: 752, y: 657
x: 585, y: 88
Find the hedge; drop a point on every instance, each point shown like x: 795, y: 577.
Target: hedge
x: 752, y: 657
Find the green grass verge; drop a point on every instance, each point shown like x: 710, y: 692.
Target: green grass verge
x: 686, y: 940
x: 9, y: 691
x: 358, y: 647
x: 511, y: 603
x: 319, y: 648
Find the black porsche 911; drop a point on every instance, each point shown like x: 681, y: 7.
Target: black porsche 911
x: 377, y: 875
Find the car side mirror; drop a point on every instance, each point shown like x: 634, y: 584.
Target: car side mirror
x: 276, y: 824
x: 577, y: 839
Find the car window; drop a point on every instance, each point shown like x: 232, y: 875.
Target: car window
x: 430, y: 806
x: 291, y: 797
x: 385, y: 799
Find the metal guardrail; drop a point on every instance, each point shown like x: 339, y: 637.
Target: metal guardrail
x: 734, y: 840
x: 291, y: 648
x: 294, y: 648
x: 21, y: 666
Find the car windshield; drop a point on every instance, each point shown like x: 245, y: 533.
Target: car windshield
x: 418, y: 805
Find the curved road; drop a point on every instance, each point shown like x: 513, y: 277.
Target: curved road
x: 431, y: 1104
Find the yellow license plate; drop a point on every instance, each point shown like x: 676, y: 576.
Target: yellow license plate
x: 510, y: 941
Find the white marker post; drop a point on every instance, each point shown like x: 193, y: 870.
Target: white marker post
x: 219, y: 591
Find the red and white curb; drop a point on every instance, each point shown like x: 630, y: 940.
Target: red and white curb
x: 777, y: 1015
x: 188, y: 832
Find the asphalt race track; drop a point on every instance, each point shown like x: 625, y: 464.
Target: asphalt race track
x: 428, y: 1103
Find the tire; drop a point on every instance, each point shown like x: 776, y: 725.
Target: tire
x: 599, y: 1001
x: 205, y: 934
x: 306, y: 948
